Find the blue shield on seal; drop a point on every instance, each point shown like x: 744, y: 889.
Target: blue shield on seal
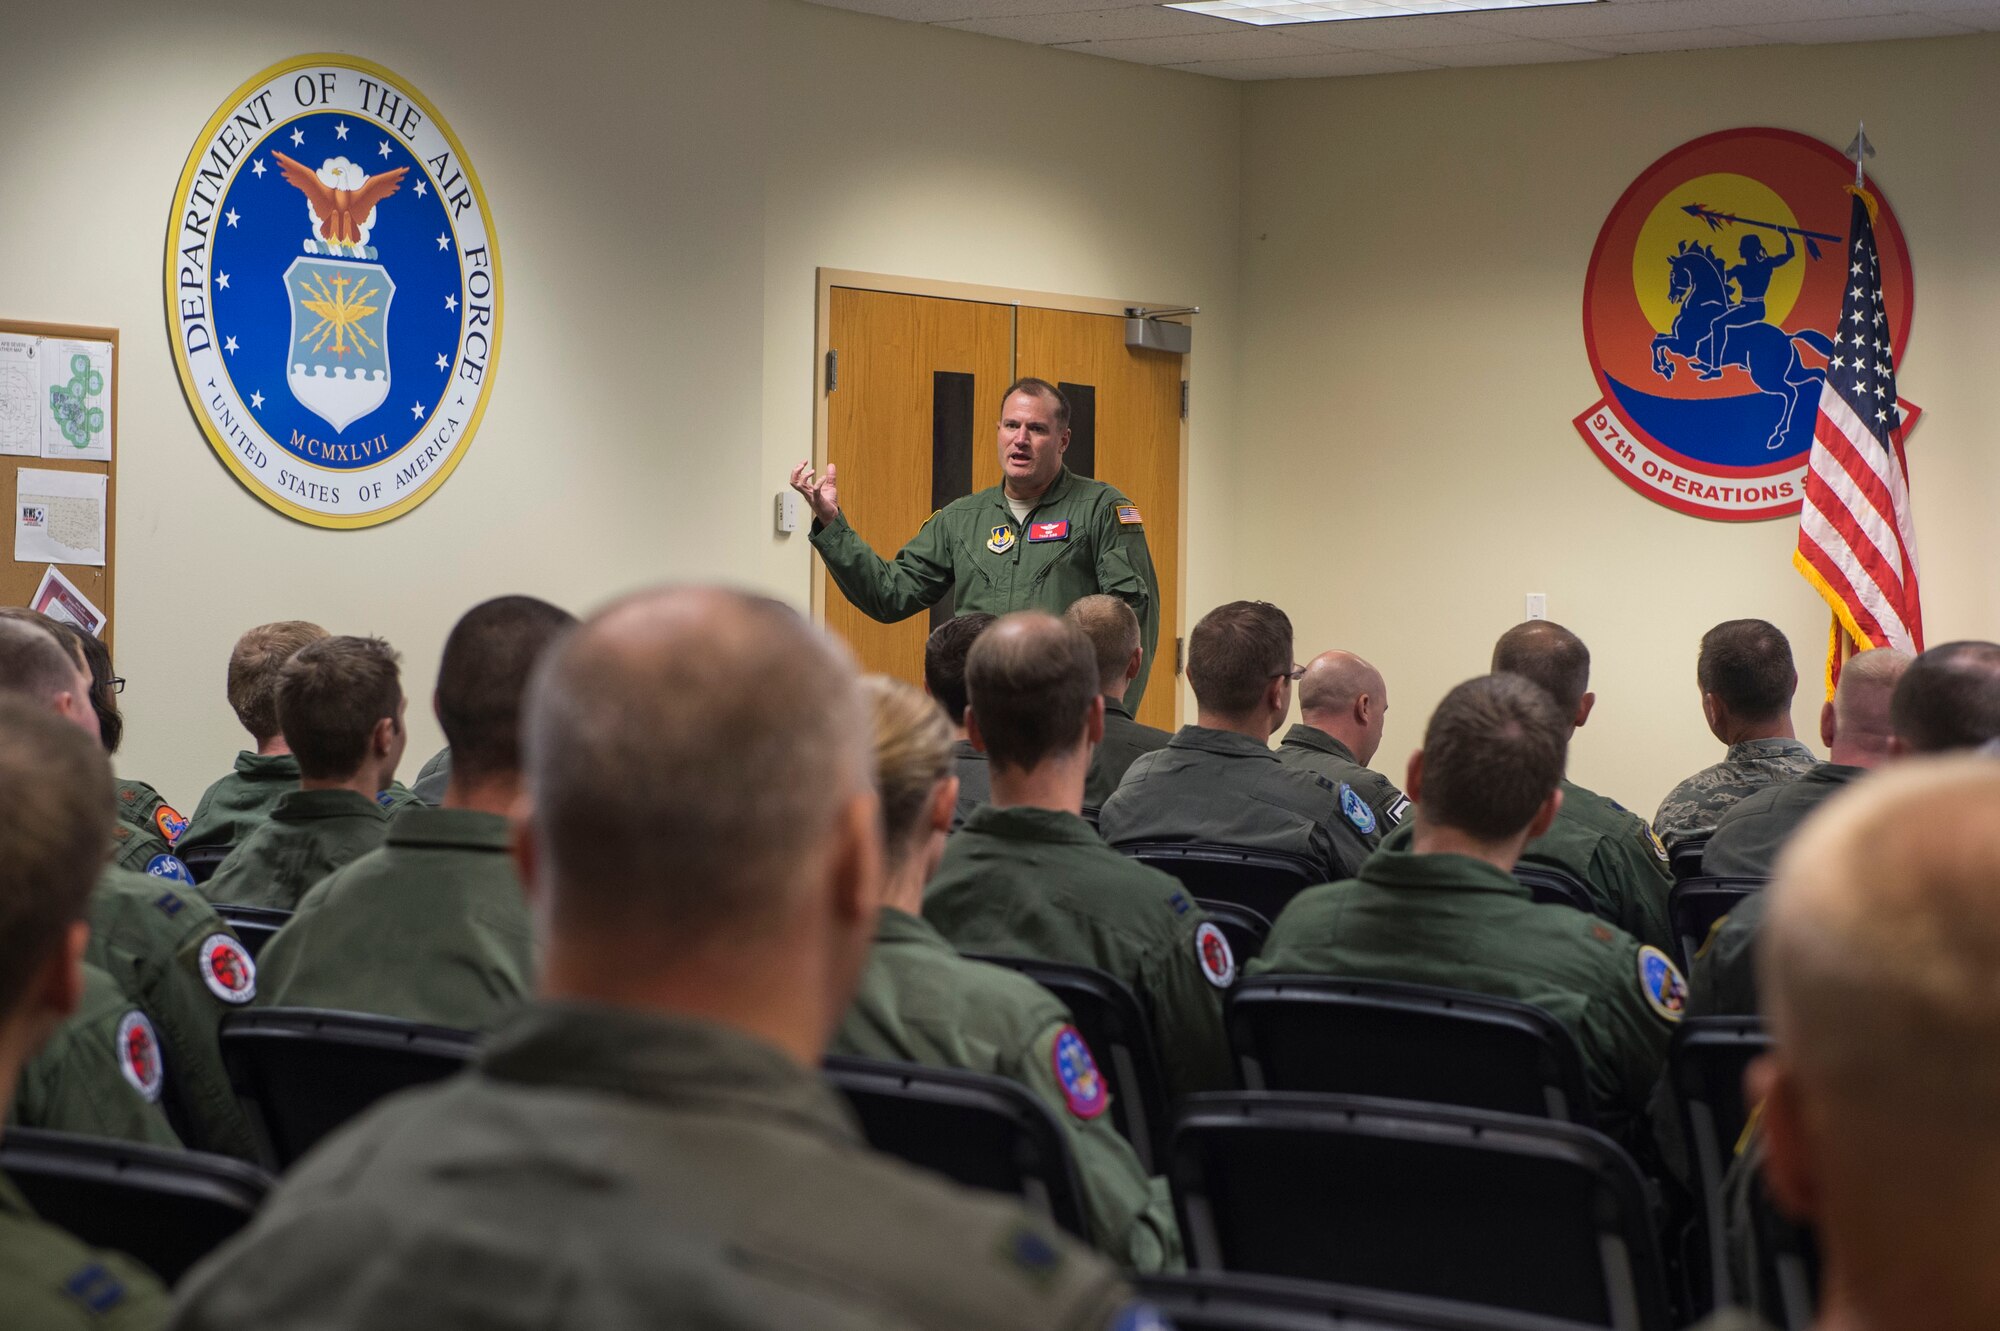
x: 338, y: 365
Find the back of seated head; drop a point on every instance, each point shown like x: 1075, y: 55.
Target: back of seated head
x: 34, y: 662
x: 483, y: 681
x: 912, y: 755
x: 1113, y: 630
x: 1948, y: 699
x: 1859, y: 710
x: 254, y: 664
x: 944, y: 661
x: 1549, y: 655
x: 1032, y: 679
x: 1235, y: 652
x: 1493, y: 751
x: 97, y: 659
x: 54, y: 825
x: 690, y: 753
x: 331, y: 695
x: 1747, y: 665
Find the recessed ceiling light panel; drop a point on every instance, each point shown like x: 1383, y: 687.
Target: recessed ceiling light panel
x: 1269, y: 13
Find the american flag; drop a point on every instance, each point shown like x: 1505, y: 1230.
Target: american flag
x: 1857, y: 543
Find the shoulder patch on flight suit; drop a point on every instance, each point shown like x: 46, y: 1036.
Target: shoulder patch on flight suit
x: 1662, y: 984
x: 1211, y: 949
x: 1031, y: 1251
x: 139, y: 1055
x: 227, y: 970
x: 1128, y: 515
x: 170, y: 823
x: 95, y: 1288
x: 1140, y: 1317
x: 1001, y: 539
x: 1357, y: 810
x: 1394, y: 813
x: 1659, y: 846
x: 170, y: 868
x: 1082, y: 1085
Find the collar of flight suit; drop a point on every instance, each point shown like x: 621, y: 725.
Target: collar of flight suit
x: 1832, y: 774
x: 1057, y: 488
x: 267, y: 766
x: 665, y: 1060
x: 1117, y: 707
x: 298, y: 806
x: 426, y: 828
x: 1303, y: 736
x: 1225, y: 742
x: 1403, y: 870
x: 1021, y: 822
x: 899, y: 926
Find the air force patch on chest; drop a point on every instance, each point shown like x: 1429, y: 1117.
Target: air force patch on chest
x: 333, y: 283
x: 1000, y: 540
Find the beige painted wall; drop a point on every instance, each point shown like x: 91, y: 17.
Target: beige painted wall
x: 664, y: 177
x: 1414, y: 255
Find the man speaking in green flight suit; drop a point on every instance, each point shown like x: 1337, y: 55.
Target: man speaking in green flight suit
x: 1042, y: 539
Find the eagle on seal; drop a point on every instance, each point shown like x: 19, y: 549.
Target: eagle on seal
x: 341, y: 216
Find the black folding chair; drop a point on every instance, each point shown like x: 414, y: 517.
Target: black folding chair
x: 1246, y: 929
x: 984, y: 1132
x: 301, y: 1072
x: 1218, y: 1301
x: 1552, y: 885
x: 1695, y: 904
x: 1260, y: 879
x: 1705, y: 1063
x: 1387, y: 1039
x: 1442, y: 1202
x: 203, y: 861
x: 255, y: 925
x: 167, y: 1208
x: 1113, y: 1022
x: 1684, y: 859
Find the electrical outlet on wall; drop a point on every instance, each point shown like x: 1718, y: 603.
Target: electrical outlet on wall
x: 1538, y: 605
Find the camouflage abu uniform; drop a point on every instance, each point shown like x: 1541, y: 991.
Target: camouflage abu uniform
x: 1692, y: 808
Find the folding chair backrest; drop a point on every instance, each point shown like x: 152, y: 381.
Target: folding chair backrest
x: 1262, y: 880
x: 203, y: 861
x: 1400, y: 1041
x: 1684, y: 859
x: 1221, y: 1301
x: 1246, y: 929
x: 1555, y: 886
x: 167, y: 1208
x: 984, y: 1132
x: 255, y: 925
x: 1695, y: 904
x: 301, y: 1072
x: 1447, y: 1203
x: 1113, y: 1022
x: 1705, y: 1063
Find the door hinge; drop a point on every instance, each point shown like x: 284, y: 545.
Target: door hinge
x: 1180, y: 657
x: 1184, y: 392
x: 833, y: 377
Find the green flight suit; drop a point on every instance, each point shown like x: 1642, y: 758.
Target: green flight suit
x: 49, y: 1281
x: 141, y: 808
x: 430, y: 926
x: 177, y: 959
x: 144, y: 851
x: 603, y: 1168
x: 1124, y: 740
x: 1082, y: 537
x: 1731, y: 1319
x: 1459, y: 923
x: 1314, y: 750
x: 1724, y: 982
x: 1747, y: 840
x: 1618, y: 858
x: 1038, y: 883
x: 921, y: 1002
x: 975, y: 780
x: 310, y: 834
x: 100, y: 1074
x: 1221, y: 788
x: 237, y: 804
x: 1692, y: 808
x: 433, y: 777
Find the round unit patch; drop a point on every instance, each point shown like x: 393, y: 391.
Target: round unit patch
x: 1662, y: 984
x: 227, y: 970
x: 1357, y: 810
x: 170, y: 823
x: 170, y: 868
x: 333, y: 288
x: 1082, y: 1085
x: 1211, y: 948
x: 139, y: 1055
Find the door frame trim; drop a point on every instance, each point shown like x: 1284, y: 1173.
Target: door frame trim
x: 828, y: 278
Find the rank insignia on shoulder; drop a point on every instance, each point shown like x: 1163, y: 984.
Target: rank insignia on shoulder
x: 1082, y: 1085
x: 1001, y: 539
x: 1179, y: 902
x: 169, y: 904
x: 139, y: 1055
x: 1140, y: 1317
x: 1398, y: 810
x: 170, y: 868
x: 95, y: 1288
x: 1032, y: 1252
x: 170, y: 823
x: 1211, y: 949
x: 1661, y: 981
x: 1128, y: 515
x: 1048, y: 531
x: 1357, y: 810
x: 227, y: 970
x: 384, y: 798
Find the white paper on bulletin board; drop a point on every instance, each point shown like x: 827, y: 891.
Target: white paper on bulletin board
x: 76, y: 400
x: 20, y: 394
x: 59, y: 517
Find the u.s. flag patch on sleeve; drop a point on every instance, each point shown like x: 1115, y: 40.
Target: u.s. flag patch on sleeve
x: 1128, y: 515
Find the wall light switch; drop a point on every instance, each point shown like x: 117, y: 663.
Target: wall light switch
x: 788, y: 511
x: 1538, y: 605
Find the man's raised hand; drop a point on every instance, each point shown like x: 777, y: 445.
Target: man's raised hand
x: 819, y: 491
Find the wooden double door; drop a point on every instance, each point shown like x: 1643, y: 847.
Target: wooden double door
x: 913, y: 423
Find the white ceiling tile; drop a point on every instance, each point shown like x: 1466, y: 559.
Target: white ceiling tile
x: 1646, y: 43
x: 1241, y: 43
x: 1880, y: 28
x: 1097, y: 25
x: 1563, y: 22
x: 1323, y: 65
x: 1504, y: 53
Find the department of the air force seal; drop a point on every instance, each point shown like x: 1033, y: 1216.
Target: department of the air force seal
x: 1711, y: 311
x: 333, y: 289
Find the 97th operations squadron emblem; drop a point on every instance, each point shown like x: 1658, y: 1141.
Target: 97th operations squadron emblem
x: 1711, y: 312
x: 333, y: 286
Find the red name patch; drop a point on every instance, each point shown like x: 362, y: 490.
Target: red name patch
x: 1048, y: 531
